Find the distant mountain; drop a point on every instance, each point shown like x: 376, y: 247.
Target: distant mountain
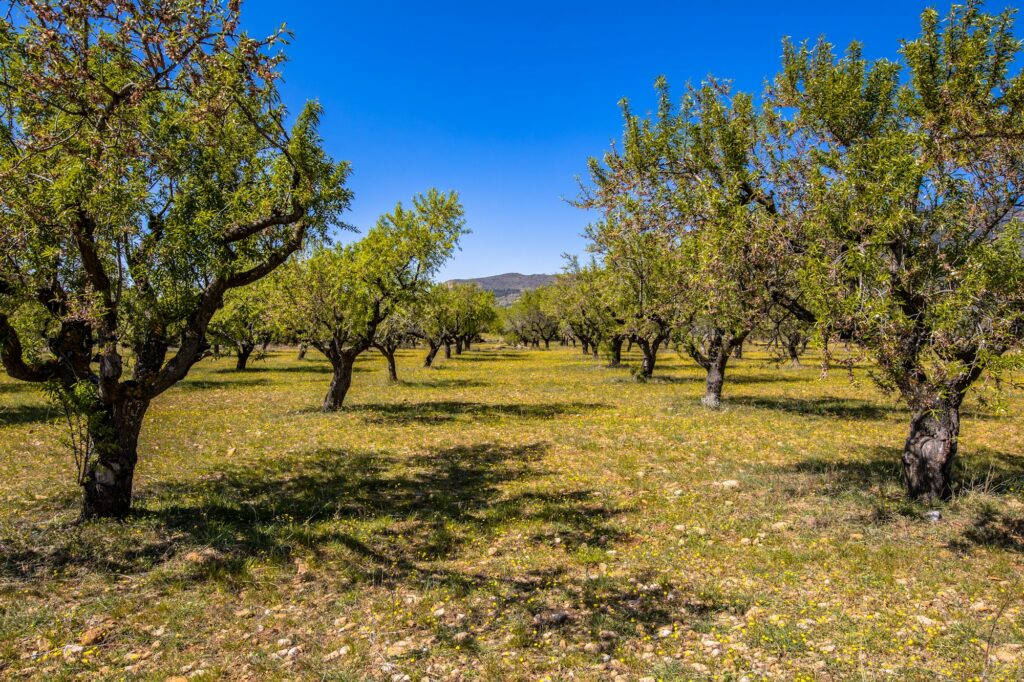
x: 509, y: 286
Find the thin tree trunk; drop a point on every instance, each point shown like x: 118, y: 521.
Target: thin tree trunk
x: 737, y: 352
x: 629, y: 347
x: 447, y: 351
x: 793, y: 346
x: 467, y: 344
x: 930, y: 452
x: 547, y: 344
x: 340, y: 381
x: 458, y: 346
x: 243, y: 351
x: 302, y: 351
x: 107, y: 479
x: 586, y: 346
x: 389, y: 353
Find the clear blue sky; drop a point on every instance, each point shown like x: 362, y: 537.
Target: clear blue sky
x: 504, y: 101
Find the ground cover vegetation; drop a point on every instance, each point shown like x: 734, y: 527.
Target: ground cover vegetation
x: 727, y: 444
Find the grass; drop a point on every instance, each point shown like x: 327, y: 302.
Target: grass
x: 514, y: 515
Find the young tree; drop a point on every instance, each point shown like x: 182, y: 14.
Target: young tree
x: 916, y: 241
x: 337, y: 298
x: 531, y: 319
x: 433, y: 320
x: 580, y: 305
x: 244, y: 321
x: 146, y: 171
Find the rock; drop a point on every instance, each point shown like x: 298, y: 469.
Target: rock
x: 591, y: 648
x: 176, y: 678
x: 551, y: 618
x: 699, y: 668
x: 438, y: 612
x: 92, y: 636
x: 780, y: 525
x: 336, y: 654
x: 926, y: 621
x: 284, y: 642
x: 204, y: 556
x: 731, y: 484
x: 462, y: 637
x: 71, y: 650
x: 664, y: 632
x: 680, y: 528
x: 1008, y: 653
x: 648, y: 679
x: 608, y: 635
x: 933, y: 516
x: 856, y: 536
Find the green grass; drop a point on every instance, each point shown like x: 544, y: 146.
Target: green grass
x: 514, y: 515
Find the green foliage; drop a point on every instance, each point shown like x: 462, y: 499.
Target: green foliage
x: 914, y: 243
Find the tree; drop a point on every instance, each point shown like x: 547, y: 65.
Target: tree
x: 338, y: 297
x: 244, y: 321
x: 471, y: 311
x: 915, y: 243
x: 146, y: 171
x: 433, y: 320
x: 530, y: 318
x: 580, y: 305
x: 391, y: 334
x: 698, y: 186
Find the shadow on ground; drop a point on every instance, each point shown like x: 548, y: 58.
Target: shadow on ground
x: 436, y: 412
x: 838, y: 408
x: 18, y: 415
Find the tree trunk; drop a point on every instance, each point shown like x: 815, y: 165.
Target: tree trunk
x: 715, y: 379
x: 458, y: 346
x: 340, y: 381
x: 737, y: 352
x: 244, y: 350
x: 629, y: 347
x: 930, y: 451
x: 547, y: 344
x: 392, y: 366
x: 447, y: 351
x: 616, y: 355
x: 302, y: 351
x: 108, y: 475
x: 586, y: 346
x: 793, y: 346
x: 429, y: 360
x: 466, y: 345
x: 593, y: 350
x: 650, y: 351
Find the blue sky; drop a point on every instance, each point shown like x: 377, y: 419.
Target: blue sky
x: 504, y: 101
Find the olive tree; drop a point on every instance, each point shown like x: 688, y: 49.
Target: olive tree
x: 337, y: 298
x: 146, y: 171
x: 915, y: 242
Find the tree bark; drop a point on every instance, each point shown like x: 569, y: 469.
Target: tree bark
x: 793, y: 345
x: 389, y: 353
x: 467, y: 344
x: 302, y: 351
x: 458, y: 346
x: 586, y: 346
x: 340, y: 381
x: 429, y: 360
x: 243, y: 351
x: 547, y: 344
x: 715, y: 380
x: 447, y: 351
x: 650, y: 351
x: 616, y: 355
x: 109, y: 472
x: 930, y: 452
x: 737, y: 352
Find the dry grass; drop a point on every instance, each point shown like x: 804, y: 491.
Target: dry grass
x: 513, y: 516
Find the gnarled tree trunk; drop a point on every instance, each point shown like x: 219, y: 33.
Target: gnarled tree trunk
x: 715, y: 380
x: 616, y: 352
x: 930, y: 451
x: 341, y: 380
x: 389, y: 354
x: 110, y: 470
x: 242, y: 353
x: 650, y: 358
x: 447, y: 350
x: 302, y: 351
x: 433, y: 348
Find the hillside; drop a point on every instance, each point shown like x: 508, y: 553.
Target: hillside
x: 509, y: 286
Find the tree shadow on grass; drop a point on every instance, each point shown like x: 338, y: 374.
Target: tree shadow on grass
x: 829, y: 407
x: 203, y: 384
x: 19, y: 415
x: 391, y: 516
x: 437, y: 412
x: 444, y: 383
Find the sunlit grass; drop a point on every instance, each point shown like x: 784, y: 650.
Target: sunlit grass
x: 514, y: 515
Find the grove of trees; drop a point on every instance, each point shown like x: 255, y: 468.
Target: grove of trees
x: 158, y: 197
